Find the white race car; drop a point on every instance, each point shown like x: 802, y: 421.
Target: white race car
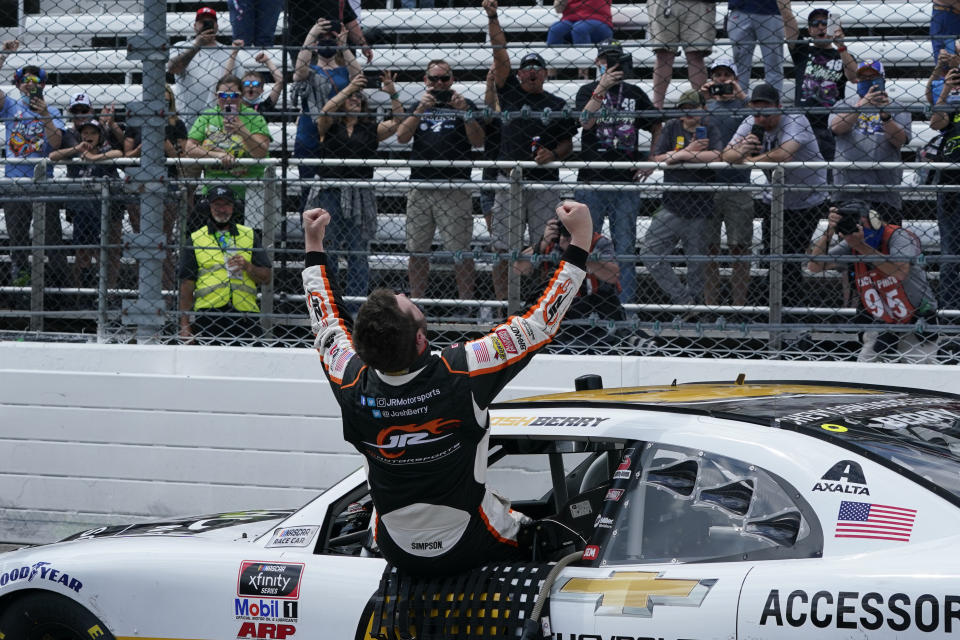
x: 772, y: 510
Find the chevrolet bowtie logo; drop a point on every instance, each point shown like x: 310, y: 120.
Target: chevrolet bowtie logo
x: 636, y: 592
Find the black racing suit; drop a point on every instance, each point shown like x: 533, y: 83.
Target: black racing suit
x: 424, y: 434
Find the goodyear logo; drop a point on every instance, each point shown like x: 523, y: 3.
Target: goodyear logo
x: 636, y: 593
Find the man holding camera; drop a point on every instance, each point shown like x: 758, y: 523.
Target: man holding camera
x: 947, y: 119
x: 688, y: 139
x: 772, y: 136
x: 725, y: 102
x: 875, y: 132
x: 822, y: 66
x: 613, y: 138
x: 528, y: 137
x: 440, y: 131
x: 893, y: 289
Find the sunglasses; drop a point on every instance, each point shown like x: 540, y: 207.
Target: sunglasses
x: 438, y: 78
x: 532, y: 67
x: 228, y: 95
x: 252, y: 83
x: 29, y: 78
x: 817, y: 23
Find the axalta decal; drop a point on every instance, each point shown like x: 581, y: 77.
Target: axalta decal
x: 844, y: 477
x: 266, y: 630
x: 280, y: 580
x: 852, y: 609
x: 40, y: 571
x: 276, y: 610
x: 636, y: 593
x: 392, y: 442
x: 545, y: 421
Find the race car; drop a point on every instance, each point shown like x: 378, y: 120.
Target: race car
x: 760, y: 510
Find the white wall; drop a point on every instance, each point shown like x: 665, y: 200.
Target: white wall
x: 93, y: 434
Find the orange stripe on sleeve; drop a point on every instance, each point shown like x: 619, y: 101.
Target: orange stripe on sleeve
x: 494, y: 532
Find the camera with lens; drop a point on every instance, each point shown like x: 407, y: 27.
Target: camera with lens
x: 442, y: 96
x: 207, y: 25
x: 850, y: 215
x: 624, y: 60
x: 721, y: 89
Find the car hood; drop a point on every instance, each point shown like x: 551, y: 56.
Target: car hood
x: 235, y: 525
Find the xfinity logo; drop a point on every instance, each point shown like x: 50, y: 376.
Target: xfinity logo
x: 272, y: 580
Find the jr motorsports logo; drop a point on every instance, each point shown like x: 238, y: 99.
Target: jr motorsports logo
x: 635, y: 593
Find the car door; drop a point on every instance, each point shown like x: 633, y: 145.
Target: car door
x: 679, y: 531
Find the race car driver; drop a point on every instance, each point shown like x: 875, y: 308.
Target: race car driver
x: 420, y: 419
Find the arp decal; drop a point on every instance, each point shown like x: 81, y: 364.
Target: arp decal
x: 280, y: 580
x: 637, y: 593
x: 266, y: 630
x: 276, y: 610
x: 545, y: 421
x: 40, y: 571
x: 871, y: 611
x: 292, y: 536
x: 844, y: 477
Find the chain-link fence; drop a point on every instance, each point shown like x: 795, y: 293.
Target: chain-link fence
x: 158, y: 157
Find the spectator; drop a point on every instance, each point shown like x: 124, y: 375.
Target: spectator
x: 33, y: 130
x: 822, y: 66
x: 763, y: 22
x: 491, y: 144
x: 255, y: 21
x: 582, y: 22
x: 893, y: 288
x: 88, y: 141
x: 251, y: 83
x: 690, y: 22
x: 219, y: 274
x: 524, y: 138
x: 598, y: 296
x: 355, y: 134
x: 198, y: 63
x: 301, y: 14
x: 174, y: 145
x: 613, y: 138
x: 440, y: 131
x: 316, y: 83
x: 229, y: 131
x: 948, y: 199
x: 944, y: 27
x: 786, y: 138
x: 868, y: 135
x: 683, y: 214
x: 725, y: 102
x: 945, y: 63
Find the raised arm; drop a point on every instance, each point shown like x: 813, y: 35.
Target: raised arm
x: 498, y: 41
x: 8, y: 47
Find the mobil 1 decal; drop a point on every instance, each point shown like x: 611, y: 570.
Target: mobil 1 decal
x: 845, y: 476
x: 280, y: 580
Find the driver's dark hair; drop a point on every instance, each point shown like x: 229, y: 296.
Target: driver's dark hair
x: 384, y: 336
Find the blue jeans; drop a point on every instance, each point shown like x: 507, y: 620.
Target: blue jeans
x: 621, y: 207
x: 579, y: 32
x: 254, y: 21
x: 413, y: 4
x: 746, y: 30
x: 346, y: 235
x: 948, y: 210
x: 944, y: 30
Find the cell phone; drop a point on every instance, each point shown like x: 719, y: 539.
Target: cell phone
x: 37, y: 92
x: 700, y: 133
x: 335, y: 25
x: 442, y: 96
x: 833, y: 25
x: 230, y: 109
x: 880, y: 83
x: 373, y: 80
x: 758, y: 131
x: 207, y: 25
x: 722, y: 89
x: 624, y: 62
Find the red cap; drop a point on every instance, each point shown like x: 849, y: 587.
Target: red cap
x: 206, y: 11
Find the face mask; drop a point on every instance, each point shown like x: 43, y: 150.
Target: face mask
x: 873, y: 237
x: 255, y: 101
x: 326, y: 48
x: 601, y: 69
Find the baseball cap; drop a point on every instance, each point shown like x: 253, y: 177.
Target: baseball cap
x: 723, y: 62
x: 609, y: 46
x: 690, y: 96
x: 818, y: 12
x: 206, y: 12
x: 876, y: 65
x: 89, y: 123
x: 80, y: 99
x: 765, y: 93
x: 221, y: 192
x: 532, y: 60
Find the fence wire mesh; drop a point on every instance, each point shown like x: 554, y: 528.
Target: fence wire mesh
x: 441, y: 135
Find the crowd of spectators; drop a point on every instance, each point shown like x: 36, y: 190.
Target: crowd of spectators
x: 224, y: 109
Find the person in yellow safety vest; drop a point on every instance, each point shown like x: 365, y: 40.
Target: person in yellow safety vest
x: 219, y: 274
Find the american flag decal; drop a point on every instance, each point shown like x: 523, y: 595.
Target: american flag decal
x: 874, y: 521
x: 480, y: 351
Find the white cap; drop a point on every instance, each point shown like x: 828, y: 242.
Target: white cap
x: 80, y: 98
x: 723, y: 62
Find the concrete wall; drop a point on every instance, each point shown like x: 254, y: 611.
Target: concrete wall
x: 116, y: 433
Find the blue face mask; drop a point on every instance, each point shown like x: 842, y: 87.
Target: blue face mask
x: 873, y: 237
x: 601, y: 69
